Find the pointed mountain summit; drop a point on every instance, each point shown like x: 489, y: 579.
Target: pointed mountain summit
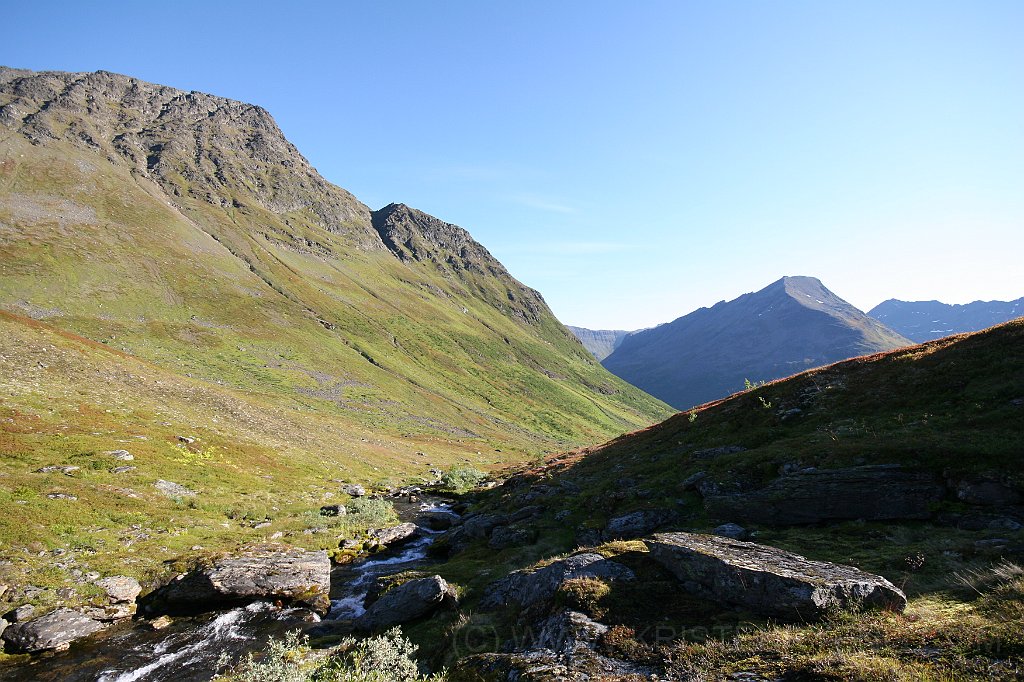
x: 789, y: 326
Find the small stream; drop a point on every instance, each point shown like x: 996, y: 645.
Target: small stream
x: 188, y: 650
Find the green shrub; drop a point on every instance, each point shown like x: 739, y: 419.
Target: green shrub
x: 384, y: 658
x: 461, y: 479
x: 371, y: 512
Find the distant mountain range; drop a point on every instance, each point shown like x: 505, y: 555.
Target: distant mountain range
x: 926, y: 320
x: 600, y: 342
x: 789, y: 326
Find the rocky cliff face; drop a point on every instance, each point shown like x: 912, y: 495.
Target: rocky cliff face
x: 789, y: 326
x: 412, y: 235
x: 600, y: 342
x: 923, y: 321
x: 220, y: 151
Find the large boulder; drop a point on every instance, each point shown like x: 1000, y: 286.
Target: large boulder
x: 294, y: 576
x: 636, y: 524
x: 120, y: 588
x: 526, y: 588
x: 986, y: 491
x: 767, y: 580
x: 566, y: 648
x: 395, y: 535
x: 56, y: 630
x: 407, y: 602
x: 874, y: 493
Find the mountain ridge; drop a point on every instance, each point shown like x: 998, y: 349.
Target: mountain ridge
x: 184, y: 216
x: 927, y: 320
x: 792, y: 324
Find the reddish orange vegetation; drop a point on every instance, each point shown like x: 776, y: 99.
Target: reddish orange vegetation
x: 36, y: 324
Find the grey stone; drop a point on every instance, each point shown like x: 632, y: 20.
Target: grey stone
x: 295, y: 575
x: 333, y: 510
x: 636, y: 524
x: 690, y: 482
x: 122, y: 470
x: 110, y: 612
x: 120, y: 588
x: 55, y: 630
x: 436, y: 520
x: 55, y: 468
x: 122, y: 455
x: 407, y: 602
x: 732, y: 530
x: 873, y: 493
x: 526, y: 588
x: 353, y: 490
x: 566, y: 649
x: 394, y: 535
x: 171, y: 489
x: 61, y: 496
x: 767, y: 580
x: 20, y: 614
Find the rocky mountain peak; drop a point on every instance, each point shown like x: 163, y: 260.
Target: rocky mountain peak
x: 195, y: 146
x: 412, y: 235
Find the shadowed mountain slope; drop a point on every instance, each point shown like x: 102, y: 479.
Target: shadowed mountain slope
x: 790, y: 325
x: 926, y: 320
x: 905, y: 464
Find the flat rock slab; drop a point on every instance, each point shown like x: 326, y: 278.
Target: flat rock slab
x: 873, y: 493
x: 55, y: 630
x: 407, y: 602
x: 293, y: 576
x: 767, y: 580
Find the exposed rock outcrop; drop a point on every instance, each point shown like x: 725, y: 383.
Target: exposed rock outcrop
x: 407, y: 602
x: 636, y: 524
x: 769, y: 581
x: 526, y: 588
x: 874, y: 493
x: 566, y: 648
x: 56, y: 630
x: 395, y: 535
x: 294, y: 576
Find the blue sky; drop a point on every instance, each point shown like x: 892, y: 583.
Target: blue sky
x: 632, y: 161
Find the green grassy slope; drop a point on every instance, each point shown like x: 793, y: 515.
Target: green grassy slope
x: 208, y: 245
x: 171, y: 266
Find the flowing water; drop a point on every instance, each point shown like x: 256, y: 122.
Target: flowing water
x: 189, y: 649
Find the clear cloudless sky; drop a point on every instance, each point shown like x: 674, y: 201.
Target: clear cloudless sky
x: 633, y: 161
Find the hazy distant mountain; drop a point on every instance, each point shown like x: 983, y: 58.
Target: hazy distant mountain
x: 926, y: 320
x: 789, y: 326
x: 600, y: 342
